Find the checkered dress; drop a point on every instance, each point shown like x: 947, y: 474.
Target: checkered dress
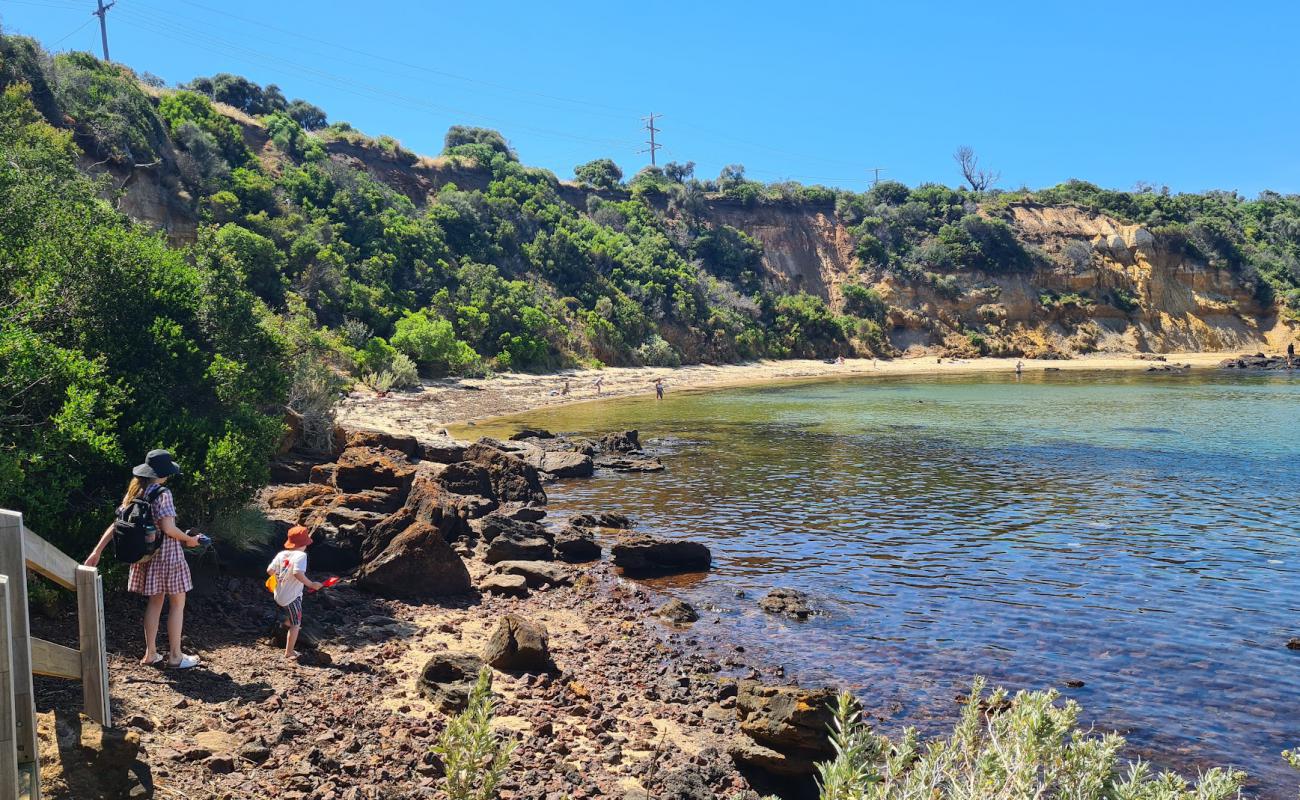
x: 166, y: 572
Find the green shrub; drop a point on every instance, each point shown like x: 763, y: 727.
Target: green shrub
x: 864, y: 302
x: 432, y: 344
x: 602, y: 173
x: 474, y: 756
x: 656, y: 352
x: 108, y: 109
x: 1003, y: 747
x: 178, y: 108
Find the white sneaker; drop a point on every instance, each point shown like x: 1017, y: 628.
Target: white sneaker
x: 186, y: 662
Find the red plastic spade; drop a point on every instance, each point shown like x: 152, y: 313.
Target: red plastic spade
x: 328, y: 582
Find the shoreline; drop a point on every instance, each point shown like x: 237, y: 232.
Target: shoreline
x: 468, y: 402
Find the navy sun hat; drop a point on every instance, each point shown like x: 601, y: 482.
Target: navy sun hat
x: 158, y: 464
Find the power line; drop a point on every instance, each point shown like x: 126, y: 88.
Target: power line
x: 102, y: 13
x: 650, y: 126
x: 877, y: 171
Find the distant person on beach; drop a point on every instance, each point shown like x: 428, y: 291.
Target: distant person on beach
x: 659, y: 388
x: 600, y: 382
x: 1020, y: 366
x: 288, y: 571
x: 1290, y: 353
x: 145, y: 535
x: 565, y: 390
x: 839, y: 361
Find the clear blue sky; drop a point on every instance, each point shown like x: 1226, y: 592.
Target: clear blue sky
x: 1193, y: 95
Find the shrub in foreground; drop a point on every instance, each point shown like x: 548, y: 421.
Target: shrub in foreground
x: 1003, y: 747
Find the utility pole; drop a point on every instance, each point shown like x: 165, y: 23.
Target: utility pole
x: 650, y: 126
x: 877, y: 171
x: 102, y: 12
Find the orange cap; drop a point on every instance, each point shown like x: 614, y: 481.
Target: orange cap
x: 298, y: 537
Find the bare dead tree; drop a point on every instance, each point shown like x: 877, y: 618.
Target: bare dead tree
x: 979, y: 179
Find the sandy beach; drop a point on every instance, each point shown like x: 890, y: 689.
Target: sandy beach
x: 440, y: 404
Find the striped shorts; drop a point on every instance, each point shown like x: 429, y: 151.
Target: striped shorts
x: 294, y: 612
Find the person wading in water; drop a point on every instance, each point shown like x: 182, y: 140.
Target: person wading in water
x: 160, y: 573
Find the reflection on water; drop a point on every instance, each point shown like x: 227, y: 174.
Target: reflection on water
x: 1137, y: 534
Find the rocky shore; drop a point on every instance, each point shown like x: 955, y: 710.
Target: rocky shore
x: 449, y: 562
x: 1261, y: 362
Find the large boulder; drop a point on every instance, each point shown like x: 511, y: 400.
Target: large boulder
x: 365, y: 437
x: 417, y: 563
x: 565, y: 464
x: 441, y: 450
x: 787, y: 727
x: 576, y: 545
x: 512, y: 478
x: 360, y: 468
x: 504, y: 585
x: 448, y: 678
x: 495, y: 524
x: 537, y: 573
x: 294, y: 496
x: 641, y: 553
x: 787, y: 602
x: 518, y: 645
x: 621, y: 442
x: 430, y: 501
x: 518, y: 546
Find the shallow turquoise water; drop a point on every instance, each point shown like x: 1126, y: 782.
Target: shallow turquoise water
x: 1138, y: 533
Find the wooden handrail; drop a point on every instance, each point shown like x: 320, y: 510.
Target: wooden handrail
x: 49, y: 561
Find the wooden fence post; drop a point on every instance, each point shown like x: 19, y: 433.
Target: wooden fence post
x: 13, y: 563
x: 94, y: 658
x: 8, y: 745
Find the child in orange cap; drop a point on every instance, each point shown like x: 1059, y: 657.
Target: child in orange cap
x: 289, y: 571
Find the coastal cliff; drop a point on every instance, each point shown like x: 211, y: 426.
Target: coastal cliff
x: 1095, y: 282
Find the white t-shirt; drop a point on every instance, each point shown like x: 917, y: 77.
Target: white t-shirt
x: 285, y: 564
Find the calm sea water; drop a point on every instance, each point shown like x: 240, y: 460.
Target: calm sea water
x: 1140, y: 534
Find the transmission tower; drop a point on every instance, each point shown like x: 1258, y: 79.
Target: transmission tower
x: 650, y: 126
x: 877, y: 171
x: 102, y: 12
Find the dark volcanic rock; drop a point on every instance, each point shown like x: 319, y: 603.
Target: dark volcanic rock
x: 677, y: 611
x: 493, y: 525
x: 604, y: 519
x: 621, y: 442
x: 566, y: 464
x: 576, y: 545
x: 518, y: 645
x: 532, y: 433
x: 441, y: 450
x: 790, y: 602
x: 417, y: 563
x: 448, y: 678
x: 364, y: 437
x: 537, y: 573
x: 630, y: 463
x: 1259, y: 361
x: 504, y: 585
x: 367, y: 467
x: 512, y: 478
x: 517, y: 546
x: 641, y: 553
x: 789, y: 725
x: 523, y: 513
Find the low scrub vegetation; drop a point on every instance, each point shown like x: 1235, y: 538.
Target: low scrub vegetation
x: 1004, y: 746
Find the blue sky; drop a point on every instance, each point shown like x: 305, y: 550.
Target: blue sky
x: 1192, y: 95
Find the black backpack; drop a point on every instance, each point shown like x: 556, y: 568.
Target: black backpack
x: 135, y: 537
